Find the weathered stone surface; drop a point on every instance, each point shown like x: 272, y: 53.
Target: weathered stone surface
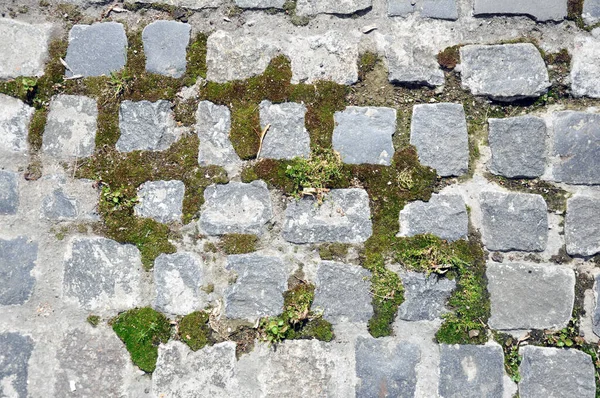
x: 438, y: 9
x: 96, y: 50
x: 591, y: 11
x: 24, y: 48
x: 165, y: 44
x: 340, y: 7
x: 471, y: 371
x: 146, y: 126
x: 553, y: 372
x: 596, y: 313
x: 582, y: 226
x: 514, y: 221
x: 518, y: 146
x: 540, y: 10
x: 9, y: 193
x: 577, y: 147
x: 444, y: 216
x: 287, y: 137
x: 57, y: 206
x: 161, y: 200
x: 585, y: 67
x: 344, y: 216
x: 412, y: 61
x: 439, y: 132
x: 530, y: 296
x: 424, y: 296
x: 14, y: 367
x: 364, y: 134
x: 177, y: 281
x: 343, y: 292
x: 260, y: 4
x: 17, y: 259
x: 102, y: 275
x: 191, y: 4
x: 70, y: 130
x: 213, y: 125
x: 504, y: 72
x: 15, y: 116
x: 236, y: 208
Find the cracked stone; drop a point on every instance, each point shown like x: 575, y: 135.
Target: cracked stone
x: 540, y: 10
x: 58, y: 206
x: 9, y: 193
x: 165, y: 44
x: 585, y: 67
x: 14, y: 364
x: 213, y: 125
x: 287, y: 136
x: 15, y: 116
x: 582, y: 226
x: 339, y: 7
x: 160, y: 200
x: 24, y: 48
x: 177, y: 281
x: 17, y: 259
x: 424, y: 296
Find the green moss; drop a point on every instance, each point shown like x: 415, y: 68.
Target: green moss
x: 290, y: 9
x: 313, y: 176
x: 366, y: 64
x: 428, y: 253
x: 238, y: 243
x: 36, y: 129
x: 245, y: 130
x: 195, y: 331
x: 142, y: 330
x: 512, y: 359
x: 449, y: 57
x: 333, y: 251
x: 93, y: 320
x: 555, y: 197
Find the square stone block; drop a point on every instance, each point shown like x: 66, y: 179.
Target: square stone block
x: 177, y: 281
x: 24, y: 48
x: 582, y: 226
x: 17, y: 259
x: 14, y: 364
x: 540, y: 10
x: 165, y: 44
x: 161, y: 200
x: 9, y: 193
x: 15, y: 116
x: 585, y: 67
x: 286, y: 137
x: 213, y: 126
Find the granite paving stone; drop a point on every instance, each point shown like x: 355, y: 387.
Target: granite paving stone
x: 260, y: 4
x: 213, y: 125
x: 585, y: 67
x: 58, y: 206
x: 165, y: 44
x: 14, y: 364
x: 161, y: 200
x: 17, y: 259
x: 540, y: 10
x: 437, y: 9
x: 412, y: 62
x: 9, y: 193
x: 582, y: 226
x: 425, y: 296
x: 24, y: 48
x: 591, y: 11
x: 15, y: 116
x: 287, y: 136
x: 177, y: 281
x: 596, y: 313
x: 339, y: 7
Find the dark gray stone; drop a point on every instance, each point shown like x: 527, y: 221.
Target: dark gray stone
x: 540, y: 10
x: 518, y: 146
x: 177, y: 280
x: 14, y: 364
x: 344, y: 216
x: 577, y: 147
x: 9, y: 192
x: 514, y: 221
x: 161, y: 200
x: 17, y: 259
x: 364, y: 134
x: 582, y: 226
x: 585, y: 67
x: 424, y: 296
x: 96, y: 50
x: 165, y: 44
x: 439, y: 132
x: 471, y: 371
x: 345, y: 7
x: 504, y: 72
x: 24, y: 48
x: 396, y: 378
x: 287, y: 137
x: 260, y: 4
x: 258, y: 289
x: 437, y: 9
x: 530, y: 296
x: 444, y: 216
x: 591, y: 11
x: 15, y: 116
x: 58, y: 206
x: 213, y: 125
x: 553, y: 372
x: 343, y: 292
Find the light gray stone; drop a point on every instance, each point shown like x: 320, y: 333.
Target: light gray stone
x: 514, y: 221
x: 14, y: 364
x: 9, y: 193
x: 412, y: 61
x: 364, y: 134
x: 17, y: 259
x: 260, y: 4
x: 339, y: 7
x: 343, y: 293
x: 439, y: 132
x: 258, y: 289
x: 15, y: 116
x: 530, y: 296
x: 165, y: 44
x: 71, y: 126
x: 596, y: 313
x: 177, y: 281
x: 213, y: 125
x: 96, y: 50
x: 146, y: 126
x: 577, y: 147
x: 385, y: 368
x: 57, y: 206
x: 553, y: 372
x: 471, y: 371
x: 437, y: 9
x: 504, y: 72
x: 161, y: 200
x: 424, y: 296
x: 582, y: 226
x: 444, y: 216
x: 591, y: 11
x: 540, y: 10
x: 191, y: 4
x: 585, y: 67
x: 24, y: 48
x: 236, y: 208
x: 287, y: 137
x: 344, y: 216
x: 518, y: 146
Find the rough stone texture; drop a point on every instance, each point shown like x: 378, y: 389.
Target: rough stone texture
x: 518, y: 146
x: 514, y: 221
x: 437, y: 9
x: 424, y: 296
x: 57, y: 206
x: 213, y: 125
x: 339, y: 7
x: 577, y: 147
x: 540, y: 10
x: 287, y: 137
x: 439, y: 132
x: 177, y: 281
x: 413, y: 62
x: 102, y: 275
x: 260, y: 4
x: 24, y: 48
x: 165, y: 44
x: 15, y: 116
x: 591, y: 11
x: 17, y: 259
x: 161, y: 200
x: 191, y: 4
x: 344, y: 216
x: 258, y: 289
x: 343, y: 292
x: 364, y: 134
x: 553, y: 372
x: 582, y: 226
x: 71, y: 126
x: 396, y: 378
x: 596, y: 313
x: 471, y: 371
x: 146, y: 126
x: 585, y: 67
x: 96, y: 50
x: 444, y: 216
x: 16, y: 351
x: 236, y: 208
x: 9, y: 193
x: 530, y: 296
x: 504, y: 72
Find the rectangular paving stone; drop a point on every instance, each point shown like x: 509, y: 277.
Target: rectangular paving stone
x: 585, y: 67
x: 161, y: 200
x: 9, y: 193
x: 24, y: 48
x: 58, y: 206
x: 596, y: 313
x: 591, y: 11
x: 582, y: 226
x: 260, y: 4
x: 340, y: 7
x: 15, y: 116
x: 540, y: 10
x: 213, y: 125
x: 412, y: 62
x: 425, y: 296
x: 16, y: 350
x: 530, y: 296
x: 287, y: 136
x: 437, y: 9
x: 177, y: 281
x: 17, y: 259
x: 165, y: 44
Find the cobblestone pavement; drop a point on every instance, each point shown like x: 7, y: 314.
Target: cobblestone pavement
x: 256, y: 198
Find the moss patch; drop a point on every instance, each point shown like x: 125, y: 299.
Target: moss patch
x: 238, y: 243
x: 333, y: 251
x: 449, y: 57
x: 93, y: 320
x: 366, y: 64
x: 512, y: 359
x: 194, y: 330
